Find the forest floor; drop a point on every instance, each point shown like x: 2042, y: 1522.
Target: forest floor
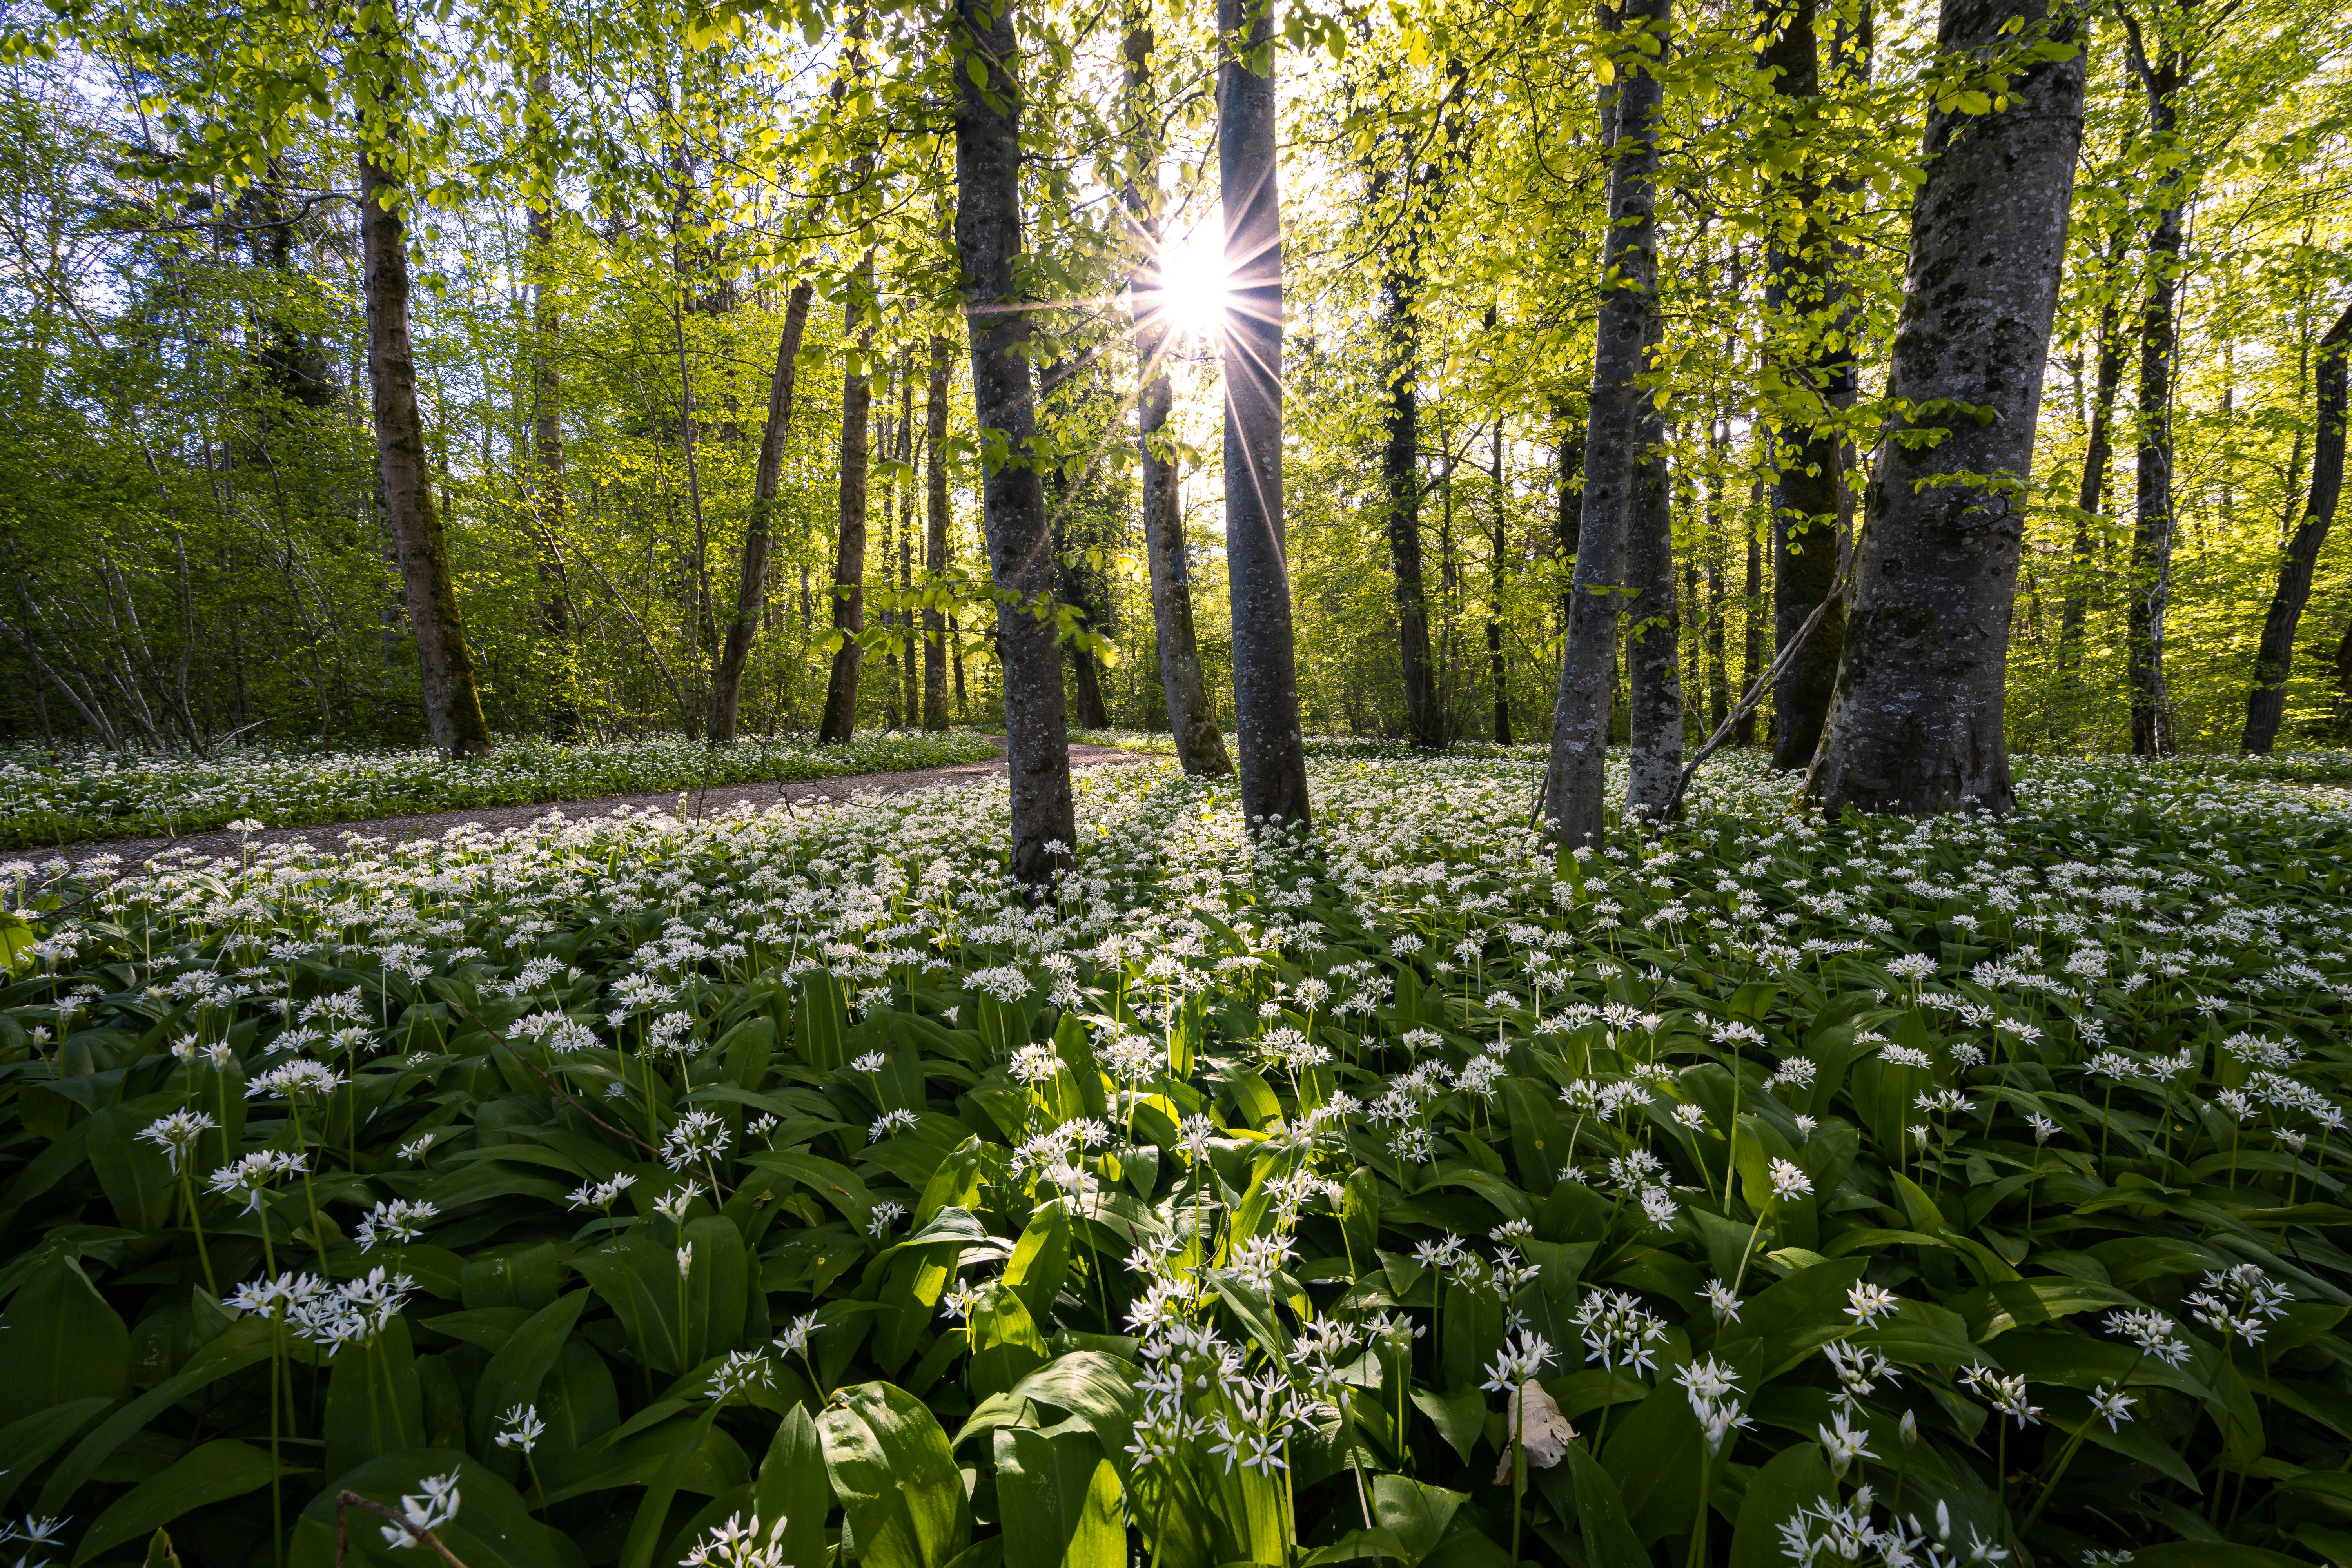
x: 691, y: 804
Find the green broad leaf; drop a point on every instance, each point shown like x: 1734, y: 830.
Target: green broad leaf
x: 374, y: 1404
x: 634, y: 1454
x: 1653, y: 1457
x: 644, y: 1541
x: 244, y: 1343
x: 1460, y: 1416
x: 821, y: 1021
x: 1375, y: 1545
x: 212, y: 1473
x: 916, y: 1276
x: 1796, y: 1477
x: 1041, y: 1260
x: 514, y: 1375
x: 831, y: 1182
x: 890, y: 1466
x: 136, y: 1176
x: 1058, y: 1499
x: 1006, y: 1344
x: 674, y: 1321
x: 493, y: 1529
x: 1926, y: 1334
x: 24, y: 1445
x: 1414, y: 1515
x: 61, y: 1344
x: 1093, y: 1387
x: 1995, y: 1308
x: 2209, y: 1554
x: 792, y: 1485
x: 1600, y: 1512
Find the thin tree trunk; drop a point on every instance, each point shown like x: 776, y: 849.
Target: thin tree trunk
x: 1191, y: 716
x: 1654, y: 641
x: 1614, y: 432
x: 2091, y: 497
x: 1499, y: 549
x: 1751, y: 649
x: 1401, y: 464
x: 452, y: 703
x: 1718, y: 682
x: 1266, y: 677
x: 840, y: 720
x: 555, y: 618
x: 1916, y: 723
x: 727, y: 684
x: 987, y: 243
x: 910, y: 688
x: 935, y: 537
x: 2152, y: 498
x: 2266, y: 703
x: 1799, y: 290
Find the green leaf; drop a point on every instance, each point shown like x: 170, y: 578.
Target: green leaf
x: 1417, y: 1515
x: 493, y: 1528
x: 24, y: 1445
x: 213, y: 1473
x: 244, y: 1343
x: 374, y: 1403
x: 793, y: 1486
x: 1041, y: 1260
x: 1006, y: 1344
x: 891, y: 1466
x: 1795, y: 1477
x: 1460, y: 1416
x: 1058, y: 1499
x: 514, y: 1375
x: 1600, y: 1513
x: 61, y: 1344
x: 1653, y: 1457
x: 652, y: 1510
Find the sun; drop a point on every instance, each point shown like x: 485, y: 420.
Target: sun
x: 1193, y: 283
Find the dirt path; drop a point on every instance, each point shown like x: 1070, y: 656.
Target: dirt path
x: 713, y: 801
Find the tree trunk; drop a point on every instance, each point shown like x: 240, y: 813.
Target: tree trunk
x: 1799, y: 289
x: 1266, y: 677
x: 1191, y: 716
x: 453, y: 704
x: 2091, y: 497
x: 910, y: 688
x: 1916, y: 723
x: 1498, y: 550
x: 987, y: 243
x: 1614, y: 432
x: 1076, y: 592
x: 2266, y: 703
x: 546, y: 449
x: 1654, y: 641
x: 1401, y: 467
x: 935, y: 537
x: 2152, y: 515
x: 727, y: 683
x: 1751, y: 648
x: 840, y: 720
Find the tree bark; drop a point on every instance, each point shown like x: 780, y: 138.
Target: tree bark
x: 452, y: 703
x: 935, y: 537
x: 1266, y: 677
x: 987, y: 243
x: 2091, y: 495
x: 840, y: 720
x: 1401, y: 466
x: 2152, y: 513
x: 1751, y: 649
x: 1916, y: 723
x: 2266, y: 703
x: 1498, y: 569
x: 1191, y: 716
x: 1654, y: 642
x: 1614, y: 430
x: 1800, y: 290
x: 727, y: 681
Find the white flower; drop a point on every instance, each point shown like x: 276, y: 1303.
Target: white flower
x: 1788, y: 1180
x: 177, y: 1133
x: 522, y: 1428
x: 436, y: 1507
x: 1726, y: 1305
x: 2113, y: 1405
x: 1866, y: 1303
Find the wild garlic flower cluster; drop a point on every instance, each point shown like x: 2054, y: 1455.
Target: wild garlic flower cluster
x: 330, y: 1316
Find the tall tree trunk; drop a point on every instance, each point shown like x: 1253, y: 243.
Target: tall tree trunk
x: 1266, y: 677
x: 1800, y: 290
x: 988, y: 244
x: 1916, y: 723
x: 452, y: 703
x: 1654, y: 641
x: 1614, y: 432
x: 2152, y: 519
x: 840, y: 720
x: 726, y: 682
x: 1401, y: 464
x: 1569, y: 516
x: 935, y: 534
x: 1191, y: 716
x: 1498, y: 550
x: 910, y: 688
x: 887, y: 434
x: 1719, y: 680
x: 1751, y: 647
x: 2275, y: 661
x: 2091, y: 497
x: 1076, y: 591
